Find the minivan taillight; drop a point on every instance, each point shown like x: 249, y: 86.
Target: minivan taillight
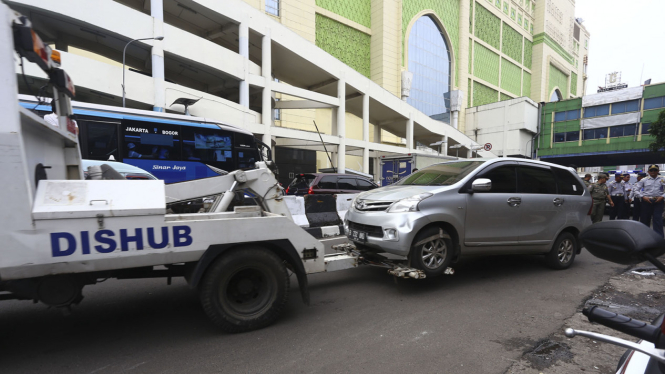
x: 287, y: 189
x: 310, y: 191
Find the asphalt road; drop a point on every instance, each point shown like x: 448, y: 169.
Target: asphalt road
x: 479, y: 320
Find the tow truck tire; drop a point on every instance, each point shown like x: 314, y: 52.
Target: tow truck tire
x: 563, y: 252
x: 245, y: 289
x: 431, y: 253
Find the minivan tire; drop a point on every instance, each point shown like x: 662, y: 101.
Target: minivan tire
x: 432, y: 251
x: 563, y: 252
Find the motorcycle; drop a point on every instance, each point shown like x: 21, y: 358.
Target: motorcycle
x: 628, y: 243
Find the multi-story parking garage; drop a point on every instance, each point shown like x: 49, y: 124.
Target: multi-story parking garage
x: 401, y: 74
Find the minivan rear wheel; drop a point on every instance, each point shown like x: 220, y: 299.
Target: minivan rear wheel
x: 563, y: 252
x: 432, y: 251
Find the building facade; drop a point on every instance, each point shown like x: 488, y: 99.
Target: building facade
x: 604, y: 129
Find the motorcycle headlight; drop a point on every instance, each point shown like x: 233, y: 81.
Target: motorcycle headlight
x: 410, y: 204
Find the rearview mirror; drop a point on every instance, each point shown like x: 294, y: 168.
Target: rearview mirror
x: 622, y: 242
x: 481, y: 185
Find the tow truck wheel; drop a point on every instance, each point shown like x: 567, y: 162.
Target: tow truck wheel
x: 245, y: 289
x: 431, y: 252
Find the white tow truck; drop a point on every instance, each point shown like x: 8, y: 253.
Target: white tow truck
x: 60, y: 232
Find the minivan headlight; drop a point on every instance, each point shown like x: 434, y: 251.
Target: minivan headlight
x: 409, y: 204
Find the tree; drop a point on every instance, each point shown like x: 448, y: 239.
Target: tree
x: 657, y: 131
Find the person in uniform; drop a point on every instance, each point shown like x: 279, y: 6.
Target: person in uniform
x: 636, y: 201
x: 628, y: 187
x: 651, y: 193
x: 617, y: 193
x: 599, y: 193
x: 587, y: 180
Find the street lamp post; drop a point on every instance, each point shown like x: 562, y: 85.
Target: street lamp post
x: 476, y: 148
x: 456, y: 147
x: 123, y: 62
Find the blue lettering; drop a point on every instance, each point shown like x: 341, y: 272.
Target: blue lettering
x: 85, y: 242
x: 181, y: 236
x: 101, y: 237
x: 151, y: 238
x: 125, y: 239
x: 55, y: 244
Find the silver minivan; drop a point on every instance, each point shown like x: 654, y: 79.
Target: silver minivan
x: 474, y: 207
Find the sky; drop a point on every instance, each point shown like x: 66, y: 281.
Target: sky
x: 626, y: 36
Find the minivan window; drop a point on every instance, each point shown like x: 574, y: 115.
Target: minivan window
x: 504, y: 179
x: 302, y: 181
x: 567, y: 183
x: 536, y: 180
x: 445, y: 174
x: 346, y: 184
x: 328, y: 183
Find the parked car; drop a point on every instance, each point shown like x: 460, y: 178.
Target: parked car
x: 126, y: 170
x: 321, y: 183
x: 479, y: 207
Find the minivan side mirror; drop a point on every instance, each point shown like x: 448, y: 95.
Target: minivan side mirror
x: 622, y: 242
x: 481, y: 185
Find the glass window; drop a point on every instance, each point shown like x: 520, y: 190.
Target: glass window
x: 346, y: 184
x: 429, y: 61
x: 567, y: 116
x: 102, y: 139
x: 272, y: 7
x: 364, y: 185
x: 572, y: 136
x: 629, y: 130
x: 536, y: 180
x: 598, y: 110
x: 616, y: 131
x: 626, y: 106
x: 504, y: 179
x: 560, y: 137
x: 567, y: 183
x: 556, y: 96
x: 653, y: 103
x: 302, y: 181
x: 645, y: 128
x: 559, y: 116
x: 208, y: 145
x: 149, y: 140
x: 600, y: 133
x: 328, y: 183
x: 445, y: 174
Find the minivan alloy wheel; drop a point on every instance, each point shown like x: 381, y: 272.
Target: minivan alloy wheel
x: 566, y: 249
x: 434, y: 253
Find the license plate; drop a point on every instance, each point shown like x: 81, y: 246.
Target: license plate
x: 358, y: 236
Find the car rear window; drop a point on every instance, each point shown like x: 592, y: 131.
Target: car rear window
x: 441, y: 174
x: 536, y: 180
x: 302, y: 181
x: 567, y: 183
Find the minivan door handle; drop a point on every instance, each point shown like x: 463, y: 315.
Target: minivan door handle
x: 514, y: 201
x: 558, y: 201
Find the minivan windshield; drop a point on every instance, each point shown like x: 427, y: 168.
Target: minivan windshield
x: 441, y: 174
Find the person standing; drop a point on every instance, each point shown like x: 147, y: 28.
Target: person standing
x: 600, y: 194
x: 587, y: 181
x: 651, y: 193
x: 617, y: 193
x: 637, y: 204
x: 628, y: 187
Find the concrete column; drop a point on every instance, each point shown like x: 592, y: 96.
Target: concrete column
x: 469, y: 153
x: 243, y: 50
x: 266, y: 97
x: 444, y: 146
x: 377, y: 134
x: 157, y: 12
x: 463, y: 60
x: 409, y: 133
x: 341, y: 125
x: 366, y: 133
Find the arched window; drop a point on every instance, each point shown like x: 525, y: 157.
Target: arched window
x: 556, y: 96
x: 429, y: 61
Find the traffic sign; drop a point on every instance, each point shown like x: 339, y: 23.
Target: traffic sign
x: 487, y: 146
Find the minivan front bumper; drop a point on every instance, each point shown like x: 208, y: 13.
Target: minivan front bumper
x: 397, y: 230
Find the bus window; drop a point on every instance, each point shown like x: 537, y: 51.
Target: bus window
x: 246, y: 151
x: 150, y: 140
x: 209, y: 146
x: 101, y: 139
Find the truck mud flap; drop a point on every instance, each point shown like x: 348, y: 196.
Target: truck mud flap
x: 321, y: 210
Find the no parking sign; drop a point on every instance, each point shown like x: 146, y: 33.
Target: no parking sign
x: 487, y: 146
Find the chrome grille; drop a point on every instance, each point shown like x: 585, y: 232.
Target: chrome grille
x: 372, y: 205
